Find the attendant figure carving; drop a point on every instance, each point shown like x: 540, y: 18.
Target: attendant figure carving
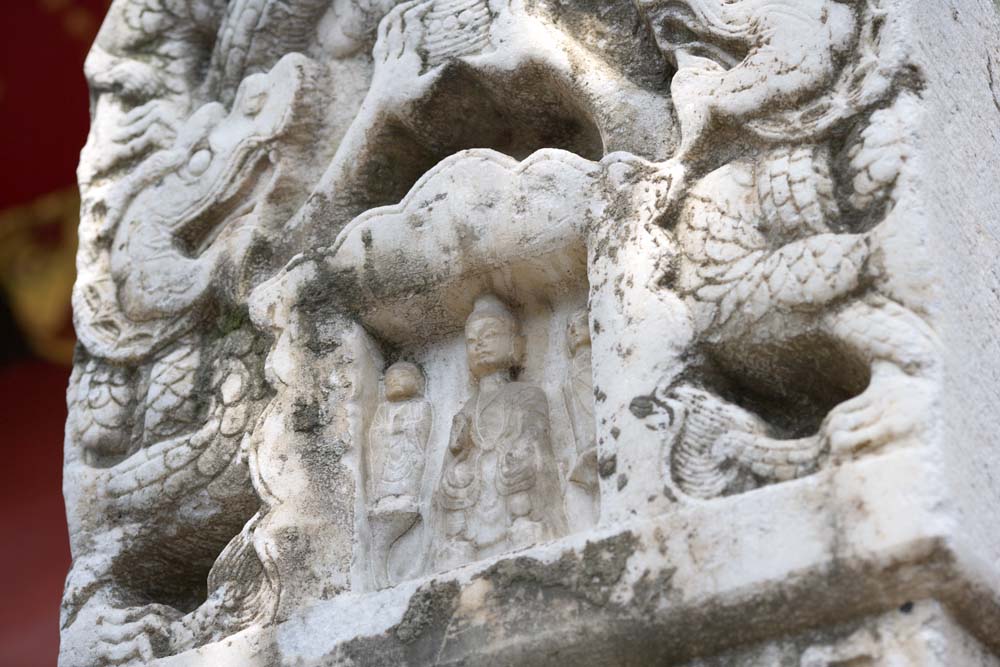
x: 578, y: 392
x: 499, y: 489
x: 399, y: 435
x: 397, y: 442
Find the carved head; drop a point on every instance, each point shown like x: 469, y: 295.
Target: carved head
x: 741, y: 59
x: 492, y: 340
x: 403, y: 380
x: 578, y: 331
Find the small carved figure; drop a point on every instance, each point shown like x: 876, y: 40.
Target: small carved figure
x: 499, y: 478
x: 579, y: 387
x: 397, y: 441
x: 398, y: 435
x: 578, y: 392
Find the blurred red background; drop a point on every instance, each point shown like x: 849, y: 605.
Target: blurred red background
x: 43, y: 125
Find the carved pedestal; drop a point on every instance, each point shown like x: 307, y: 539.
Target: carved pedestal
x: 538, y: 333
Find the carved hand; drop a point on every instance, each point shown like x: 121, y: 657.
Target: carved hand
x: 398, y: 61
x: 460, y: 439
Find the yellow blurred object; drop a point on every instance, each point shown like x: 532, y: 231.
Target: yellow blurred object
x: 37, y: 270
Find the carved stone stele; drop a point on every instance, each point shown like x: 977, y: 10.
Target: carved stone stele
x: 537, y: 332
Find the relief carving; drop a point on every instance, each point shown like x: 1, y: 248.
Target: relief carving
x: 177, y: 453
x: 779, y: 257
x: 496, y: 491
x: 398, y: 437
x: 178, y: 189
x: 278, y: 196
x: 578, y: 393
x: 397, y: 454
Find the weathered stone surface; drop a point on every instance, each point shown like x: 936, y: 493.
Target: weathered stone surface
x: 502, y: 333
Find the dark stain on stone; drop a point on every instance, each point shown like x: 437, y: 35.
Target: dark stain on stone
x: 607, y: 466
x: 416, y: 640
x: 589, y: 577
x: 306, y: 418
x: 669, y: 274
x: 641, y: 406
x: 649, y: 591
x: 644, y: 406
x: 318, y: 299
x: 431, y: 606
x: 992, y: 81
x: 622, y: 481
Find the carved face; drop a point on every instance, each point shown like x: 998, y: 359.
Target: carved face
x: 737, y: 59
x: 492, y: 344
x: 403, y: 380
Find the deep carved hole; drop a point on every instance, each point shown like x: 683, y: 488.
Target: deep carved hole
x: 515, y: 113
x: 793, y: 384
x: 198, y: 234
x: 172, y: 566
x: 168, y: 560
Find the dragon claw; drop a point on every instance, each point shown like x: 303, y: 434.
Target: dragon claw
x: 894, y: 407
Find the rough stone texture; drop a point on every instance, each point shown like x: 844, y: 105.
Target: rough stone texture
x: 588, y: 332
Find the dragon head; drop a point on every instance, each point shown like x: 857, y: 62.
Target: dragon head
x: 192, y: 209
x: 742, y: 60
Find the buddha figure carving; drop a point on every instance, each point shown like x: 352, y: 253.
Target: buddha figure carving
x: 499, y: 489
x: 578, y: 393
x: 397, y: 442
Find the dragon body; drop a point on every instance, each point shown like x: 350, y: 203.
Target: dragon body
x: 780, y: 257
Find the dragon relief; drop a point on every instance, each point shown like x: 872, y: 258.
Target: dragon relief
x: 188, y: 213
x: 203, y: 147
x: 794, y: 120
x: 164, y: 439
x: 181, y: 183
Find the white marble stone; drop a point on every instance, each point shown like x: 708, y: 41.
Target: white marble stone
x: 537, y: 332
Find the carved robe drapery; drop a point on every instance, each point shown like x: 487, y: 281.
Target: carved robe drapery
x: 499, y: 451
x: 398, y: 436
x: 578, y: 391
